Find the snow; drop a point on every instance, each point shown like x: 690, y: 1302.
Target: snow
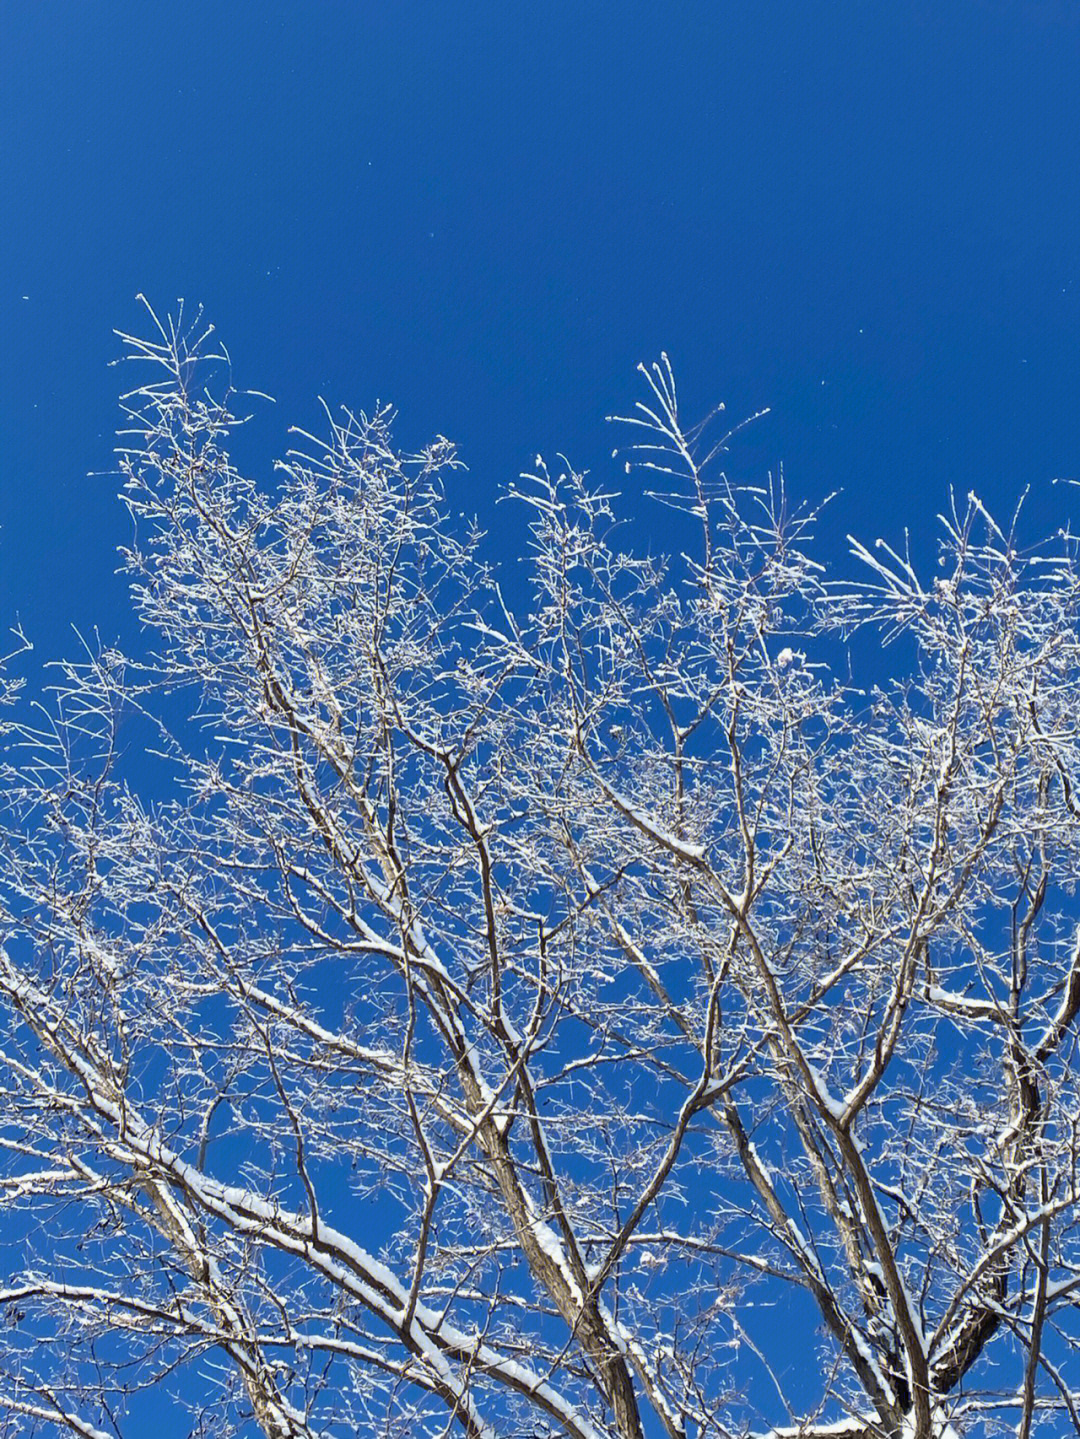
x: 335, y: 1255
x: 695, y: 853
x: 870, y: 1358
x: 835, y: 1107
x: 1059, y: 1287
x: 378, y: 1287
x: 813, y: 1430
x: 762, y: 1166
x: 962, y: 1003
x: 1068, y: 999
x: 799, y: 1431
x: 912, y: 1308
x: 552, y: 1248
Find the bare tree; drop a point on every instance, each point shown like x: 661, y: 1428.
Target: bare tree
x: 604, y: 1020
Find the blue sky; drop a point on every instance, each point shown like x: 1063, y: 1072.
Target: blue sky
x: 864, y: 216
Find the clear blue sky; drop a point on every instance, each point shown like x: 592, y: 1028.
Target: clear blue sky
x: 864, y: 215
